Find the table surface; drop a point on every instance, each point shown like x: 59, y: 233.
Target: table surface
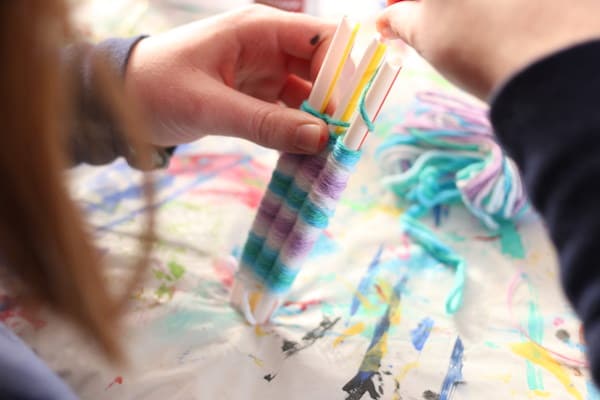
x: 186, y: 342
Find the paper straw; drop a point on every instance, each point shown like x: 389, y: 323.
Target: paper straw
x: 333, y: 64
x: 368, y: 65
x: 381, y: 87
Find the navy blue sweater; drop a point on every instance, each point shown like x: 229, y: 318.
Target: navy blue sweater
x: 548, y: 119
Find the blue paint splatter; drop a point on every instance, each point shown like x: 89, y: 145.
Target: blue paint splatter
x: 592, y: 391
x: 111, y: 201
x: 324, y: 245
x: 420, y: 335
x: 367, y: 280
x: 202, y: 178
x: 363, y: 381
x: 454, y: 375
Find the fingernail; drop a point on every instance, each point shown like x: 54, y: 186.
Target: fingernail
x: 308, y: 138
x: 387, y: 32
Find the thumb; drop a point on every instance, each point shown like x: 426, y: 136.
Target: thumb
x: 272, y: 125
x: 400, y: 21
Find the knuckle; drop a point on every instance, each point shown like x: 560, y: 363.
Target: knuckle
x: 263, y: 124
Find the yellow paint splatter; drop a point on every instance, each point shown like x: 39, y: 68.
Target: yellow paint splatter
x: 396, y: 315
x: 254, y: 299
x: 260, y: 332
x: 257, y: 360
x: 389, y: 210
x: 362, y: 298
x: 506, y: 378
x: 541, y: 357
x: 541, y: 393
x: 407, y: 368
x: 355, y: 329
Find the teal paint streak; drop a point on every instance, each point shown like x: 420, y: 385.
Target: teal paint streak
x: 535, y: 327
x: 534, y: 377
x: 592, y: 391
x: 535, y: 324
x: 510, y: 241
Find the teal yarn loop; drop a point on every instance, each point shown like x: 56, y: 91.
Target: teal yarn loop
x: 362, y: 108
x: 325, y: 117
x: 423, y: 236
x: 344, y: 156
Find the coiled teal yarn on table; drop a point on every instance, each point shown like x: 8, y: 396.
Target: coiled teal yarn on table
x: 444, y: 152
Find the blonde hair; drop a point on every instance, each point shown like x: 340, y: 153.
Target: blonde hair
x: 45, y: 245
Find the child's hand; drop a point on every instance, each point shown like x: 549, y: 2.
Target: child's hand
x: 224, y: 76
x: 478, y: 44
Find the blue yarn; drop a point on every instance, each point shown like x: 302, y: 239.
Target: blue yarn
x: 263, y: 259
x: 362, y: 108
x: 430, y: 164
x: 281, y: 278
x: 280, y: 183
x: 421, y: 235
x: 266, y: 258
x: 314, y: 215
x: 252, y: 248
x: 295, y: 197
x: 325, y: 117
x: 344, y: 156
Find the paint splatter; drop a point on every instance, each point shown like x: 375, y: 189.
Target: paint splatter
x: 288, y: 345
x: 541, y: 393
x: 215, y: 167
x: 563, y: 335
x: 363, y: 381
x: 354, y: 330
x: 12, y: 313
x: 510, y: 241
x: 381, y: 293
x: 454, y: 375
x: 302, y: 306
x: 260, y: 363
x: 539, y: 356
x: 487, y: 238
x: 592, y: 391
x: 420, y: 335
x: 110, y: 202
x: 430, y: 395
x: 407, y: 368
x: 224, y: 268
x: 291, y: 348
x: 168, y: 279
x: 366, y: 281
x: 117, y: 381
x: 325, y: 245
x: 269, y: 377
x: 250, y: 197
x: 558, y: 321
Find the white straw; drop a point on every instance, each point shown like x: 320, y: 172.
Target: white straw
x: 378, y: 92
x: 336, y: 57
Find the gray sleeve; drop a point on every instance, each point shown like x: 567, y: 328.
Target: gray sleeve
x: 94, y: 135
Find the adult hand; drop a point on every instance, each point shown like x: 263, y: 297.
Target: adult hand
x: 477, y: 44
x: 232, y: 75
